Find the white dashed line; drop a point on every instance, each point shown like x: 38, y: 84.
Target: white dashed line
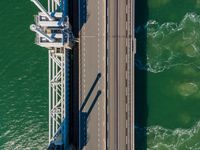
x: 84, y: 77
x: 98, y: 61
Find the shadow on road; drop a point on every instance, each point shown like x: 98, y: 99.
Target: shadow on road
x: 84, y: 119
x: 141, y: 108
x: 90, y: 92
x: 85, y: 114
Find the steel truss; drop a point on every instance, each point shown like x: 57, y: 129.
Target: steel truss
x: 58, y: 38
x: 56, y: 92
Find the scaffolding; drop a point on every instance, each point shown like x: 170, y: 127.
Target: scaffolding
x: 53, y: 32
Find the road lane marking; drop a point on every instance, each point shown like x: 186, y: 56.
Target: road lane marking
x: 126, y: 25
x: 84, y: 77
x: 126, y: 80
x: 98, y: 67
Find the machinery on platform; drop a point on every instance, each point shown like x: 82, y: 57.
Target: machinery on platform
x: 53, y: 31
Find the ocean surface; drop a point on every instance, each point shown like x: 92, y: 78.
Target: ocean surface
x: 168, y: 75
x: 23, y: 80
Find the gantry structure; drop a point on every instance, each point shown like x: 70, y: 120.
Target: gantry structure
x: 53, y: 32
x: 104, y: 58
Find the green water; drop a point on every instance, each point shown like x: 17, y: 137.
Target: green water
x: 23, y: 80
x: 168, y: 64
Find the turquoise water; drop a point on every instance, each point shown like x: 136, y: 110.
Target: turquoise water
x: 23, y: 80
x: 168, y: 62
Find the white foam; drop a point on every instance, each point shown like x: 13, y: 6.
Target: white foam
x: 178, y: 139
x: 171, y: 44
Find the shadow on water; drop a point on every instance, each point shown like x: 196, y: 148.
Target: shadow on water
x: 141, y: 108
x: 55, y: 145
x: 77, y: 16
x: 83, y: 13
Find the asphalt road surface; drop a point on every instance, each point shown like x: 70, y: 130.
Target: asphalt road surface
x: 106, y: 75
x: 120, y: 74
x: 92, y: 62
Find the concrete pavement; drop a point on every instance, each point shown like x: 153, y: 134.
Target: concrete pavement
x: 106, y: 53
x: 120, y: 75
x: 92, y: 62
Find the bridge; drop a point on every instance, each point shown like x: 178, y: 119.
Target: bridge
x: 91, y: 48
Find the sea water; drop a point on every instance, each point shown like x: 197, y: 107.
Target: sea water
x: 23, y: 80
x: 168, y: 74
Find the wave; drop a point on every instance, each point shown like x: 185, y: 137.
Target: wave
x: 160, y: 138
x: 169, y: 44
